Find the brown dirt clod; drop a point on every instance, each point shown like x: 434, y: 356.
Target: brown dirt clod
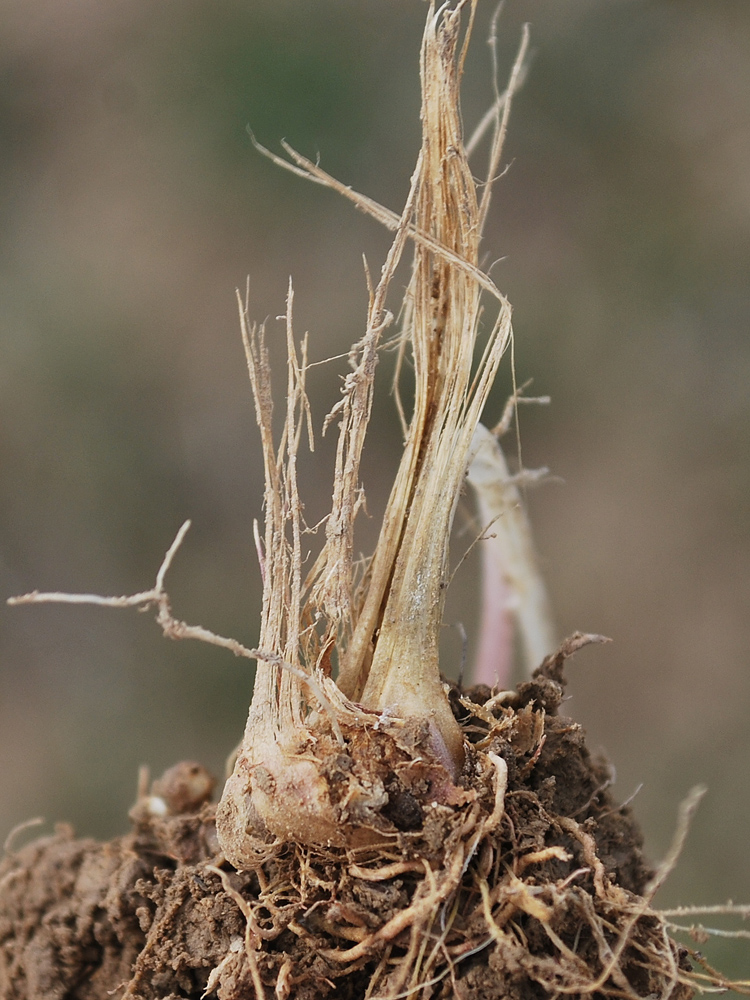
x: 540, y: 898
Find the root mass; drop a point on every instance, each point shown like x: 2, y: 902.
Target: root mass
x: 532, y: 889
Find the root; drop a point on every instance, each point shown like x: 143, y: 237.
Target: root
x: 174, y: 628
x: 414, y: 915
x: 553, y: 915
x: 504, y: 896
x: 253, y: 939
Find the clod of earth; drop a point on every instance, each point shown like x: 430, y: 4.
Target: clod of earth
x: 539, y: 897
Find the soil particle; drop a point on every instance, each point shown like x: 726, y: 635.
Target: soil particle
x: 466, y: 900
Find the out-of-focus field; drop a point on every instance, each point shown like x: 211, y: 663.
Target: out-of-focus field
x: 132, y: 204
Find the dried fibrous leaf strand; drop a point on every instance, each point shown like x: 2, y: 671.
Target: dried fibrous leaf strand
x: 397, y: 668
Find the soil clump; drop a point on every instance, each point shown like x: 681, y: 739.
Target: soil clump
x: 539, y: 894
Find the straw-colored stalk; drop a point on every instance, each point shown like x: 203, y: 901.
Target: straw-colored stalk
x: 386, y: 640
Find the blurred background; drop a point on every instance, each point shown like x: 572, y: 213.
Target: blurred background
x: 132, y: 205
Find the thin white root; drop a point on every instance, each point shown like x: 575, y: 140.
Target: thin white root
x: 155, y: 596
x: 728, y: 909
x: 174, y: 628
x: 701, y: 933
x: 27, y: 824
x: 684, y: 819
x: 501, y: 785
x: 405, y: 918
x: 252, y: 935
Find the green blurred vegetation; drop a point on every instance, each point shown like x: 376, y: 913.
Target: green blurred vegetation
x: 131, y: 206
